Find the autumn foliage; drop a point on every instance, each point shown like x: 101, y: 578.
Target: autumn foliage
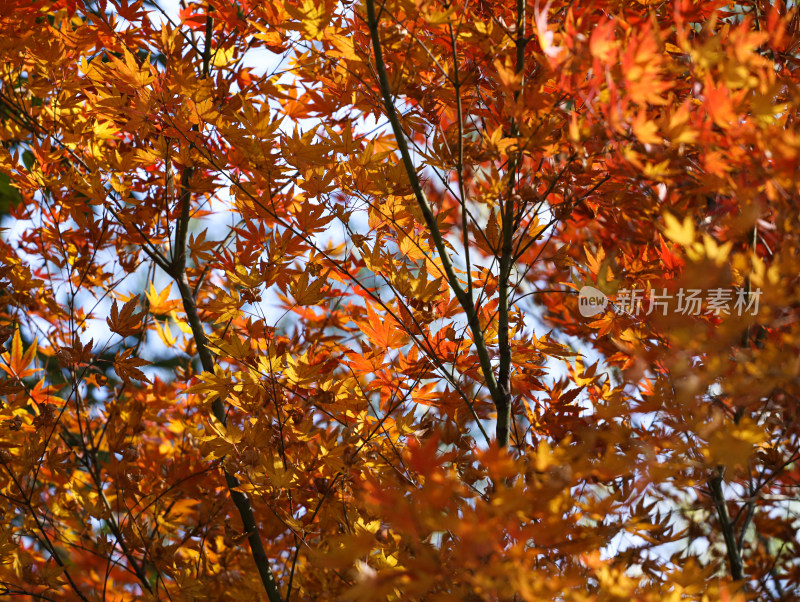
x: 289, y: 300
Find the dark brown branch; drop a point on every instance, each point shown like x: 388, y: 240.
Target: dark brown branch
x: 178, y: 272
x: 718, y: 497
x: 239, y: 499
x: 507, y: 258
x: 500, y: 401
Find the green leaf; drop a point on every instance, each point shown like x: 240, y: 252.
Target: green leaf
x: 27, y: 159
x: 9, y: 196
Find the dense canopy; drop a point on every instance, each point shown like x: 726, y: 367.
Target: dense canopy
x: 399, y: 300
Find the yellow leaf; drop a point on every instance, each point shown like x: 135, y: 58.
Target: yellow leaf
x: 165, y: 334
x: 508, y: 76
x: 717, y: 253
x: 732, y: 445
x: 437, y: 17
x: 213, y: 385
x: 17, y: 363
x: 411, y: 247
x: 183, y: 325
x: 313, y: 16
x: 228, y: 433
x: 222, y: 57
x: 543, y: 458
x: 645, y: 130
x: 681, y: 233
x: 344, y: 48
x: 280, y: 477
x: 105, y: 131
x: 159, y: 303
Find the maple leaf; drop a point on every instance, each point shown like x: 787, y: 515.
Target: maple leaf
x: 670, y: 259
x: 596, y: 263
x: 227, y: 433
x: 719, y: 104
x: 165, y: 333
x: 41, y: 393
x: 493, y: 234
x: 213, y: 385
x: 680, y: 232
x: 158, y: 303
x: 126, y: 322
x: 16, y: 362
x: 127, y: 366
x: 382, y: 332
x: 645, y: 130
x: 308, y: 293
x: 602, y: 44
x: 313, y: 16
x: 191, y: 18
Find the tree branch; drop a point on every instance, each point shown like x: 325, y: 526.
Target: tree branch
x: 239, y: 499
x: 718, y: 497
x: 499, y: 399
x: 178, y: 272
x: 507, y: 257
